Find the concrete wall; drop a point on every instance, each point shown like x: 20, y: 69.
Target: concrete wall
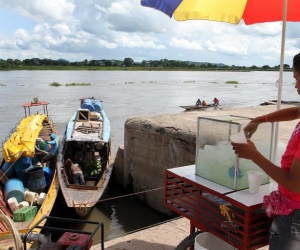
x: 152, y: 145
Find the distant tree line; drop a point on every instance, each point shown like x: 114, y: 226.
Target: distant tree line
x: 129, y: 62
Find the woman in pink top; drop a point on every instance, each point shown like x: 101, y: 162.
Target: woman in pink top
x: 285, y: 229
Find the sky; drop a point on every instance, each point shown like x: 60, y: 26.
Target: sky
x: 76, y: 30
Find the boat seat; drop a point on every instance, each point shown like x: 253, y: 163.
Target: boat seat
x: 87, y: 124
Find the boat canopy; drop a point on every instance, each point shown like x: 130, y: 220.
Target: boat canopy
x: 22, y: 141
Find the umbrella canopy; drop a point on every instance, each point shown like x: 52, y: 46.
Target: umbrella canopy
x: 232, y: 11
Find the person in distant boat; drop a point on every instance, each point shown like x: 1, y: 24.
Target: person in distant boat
x: 198, y: 103
x: 216, y: 101
x: 204, y: 103
x: 52, y: 149
x: 74, y: 173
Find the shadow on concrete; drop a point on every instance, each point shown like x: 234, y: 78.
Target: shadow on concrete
x: 138, y: 245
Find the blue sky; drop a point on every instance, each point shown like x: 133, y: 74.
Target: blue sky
x: 115, y: 29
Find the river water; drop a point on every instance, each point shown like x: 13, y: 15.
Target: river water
x: 128, y: 94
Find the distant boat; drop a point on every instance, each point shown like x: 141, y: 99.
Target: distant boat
x: 19, y: 156
x: 194, y: 107
x: 86, y: 142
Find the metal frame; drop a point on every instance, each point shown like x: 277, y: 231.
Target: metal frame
x: 48, y: 228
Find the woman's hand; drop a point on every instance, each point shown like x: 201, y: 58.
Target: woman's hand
x: 250, y: 129
x: 245, y: 150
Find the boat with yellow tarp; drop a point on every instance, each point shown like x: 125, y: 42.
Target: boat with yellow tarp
x: 28, y: 177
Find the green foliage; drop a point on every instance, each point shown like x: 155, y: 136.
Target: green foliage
x: 232, y: 82
x: 2, y: 84
x: 78, y: 84
x: 92, y: 169
x: 55, y: 84
x: 126, y: 64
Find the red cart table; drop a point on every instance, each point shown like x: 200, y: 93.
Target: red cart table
x: 199, y: 200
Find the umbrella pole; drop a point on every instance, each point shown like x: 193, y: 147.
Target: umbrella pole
x: 280, y: 77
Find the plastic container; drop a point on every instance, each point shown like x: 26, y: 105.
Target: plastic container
x: 48, y: 175
x: 36, y: 179
x: 88, y: 104
x: 9, y: 167
x: 13, y: 204
x: 97, y: 105
x: 216, y: 160
x: 24, y: 214
x: 208, y: 241
x: 69, y: 238
x: 14, y: 188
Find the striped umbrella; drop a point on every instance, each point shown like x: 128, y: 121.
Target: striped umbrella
x: 232, y: 11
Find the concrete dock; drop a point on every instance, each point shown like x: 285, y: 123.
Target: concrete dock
x: 165, y: 236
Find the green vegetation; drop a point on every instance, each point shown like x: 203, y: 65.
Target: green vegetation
x: 127, y: 64
x: 232, y: 82
x: 78, y: 84
x: 2, y: 84
x: 55, y: 84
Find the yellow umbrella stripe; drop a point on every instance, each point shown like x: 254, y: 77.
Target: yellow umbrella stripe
x: 230, y: 11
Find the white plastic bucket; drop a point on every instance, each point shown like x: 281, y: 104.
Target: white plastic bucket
x: 13, y: 204
x: 208, y: 241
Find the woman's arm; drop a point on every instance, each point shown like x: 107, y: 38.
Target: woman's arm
x: 287, y: 114
x: 289, y: 180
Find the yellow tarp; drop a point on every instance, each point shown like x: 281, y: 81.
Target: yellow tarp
x: 22, y: 142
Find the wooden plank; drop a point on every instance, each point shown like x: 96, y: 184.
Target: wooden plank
x: 3, y: 177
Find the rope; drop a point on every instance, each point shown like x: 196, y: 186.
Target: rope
x: 225, y: 212
x: 117, y: 197
x: 13, y: 229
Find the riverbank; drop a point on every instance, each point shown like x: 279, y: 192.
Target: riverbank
x: 136, y: 68
x: 168, y: 235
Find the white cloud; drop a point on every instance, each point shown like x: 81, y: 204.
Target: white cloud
x: 42, y: 10
x: 76, y: 30
x: 185, y: 44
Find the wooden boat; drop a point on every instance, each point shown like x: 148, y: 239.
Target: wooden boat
x: 194, y: 107
x: 86, y: 142
x: 21, y: 145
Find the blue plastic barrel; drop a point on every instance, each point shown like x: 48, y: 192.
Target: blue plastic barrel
x: 97, y: 105
x: 14, y: 188
x: 9, y: 167
x: 35, y: 179
x: 48, y: 175
x: 87, y: 104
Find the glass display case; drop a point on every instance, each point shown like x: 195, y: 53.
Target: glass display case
x: 215, y: 158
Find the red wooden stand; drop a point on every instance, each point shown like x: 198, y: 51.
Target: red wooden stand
x: 199, y: 200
